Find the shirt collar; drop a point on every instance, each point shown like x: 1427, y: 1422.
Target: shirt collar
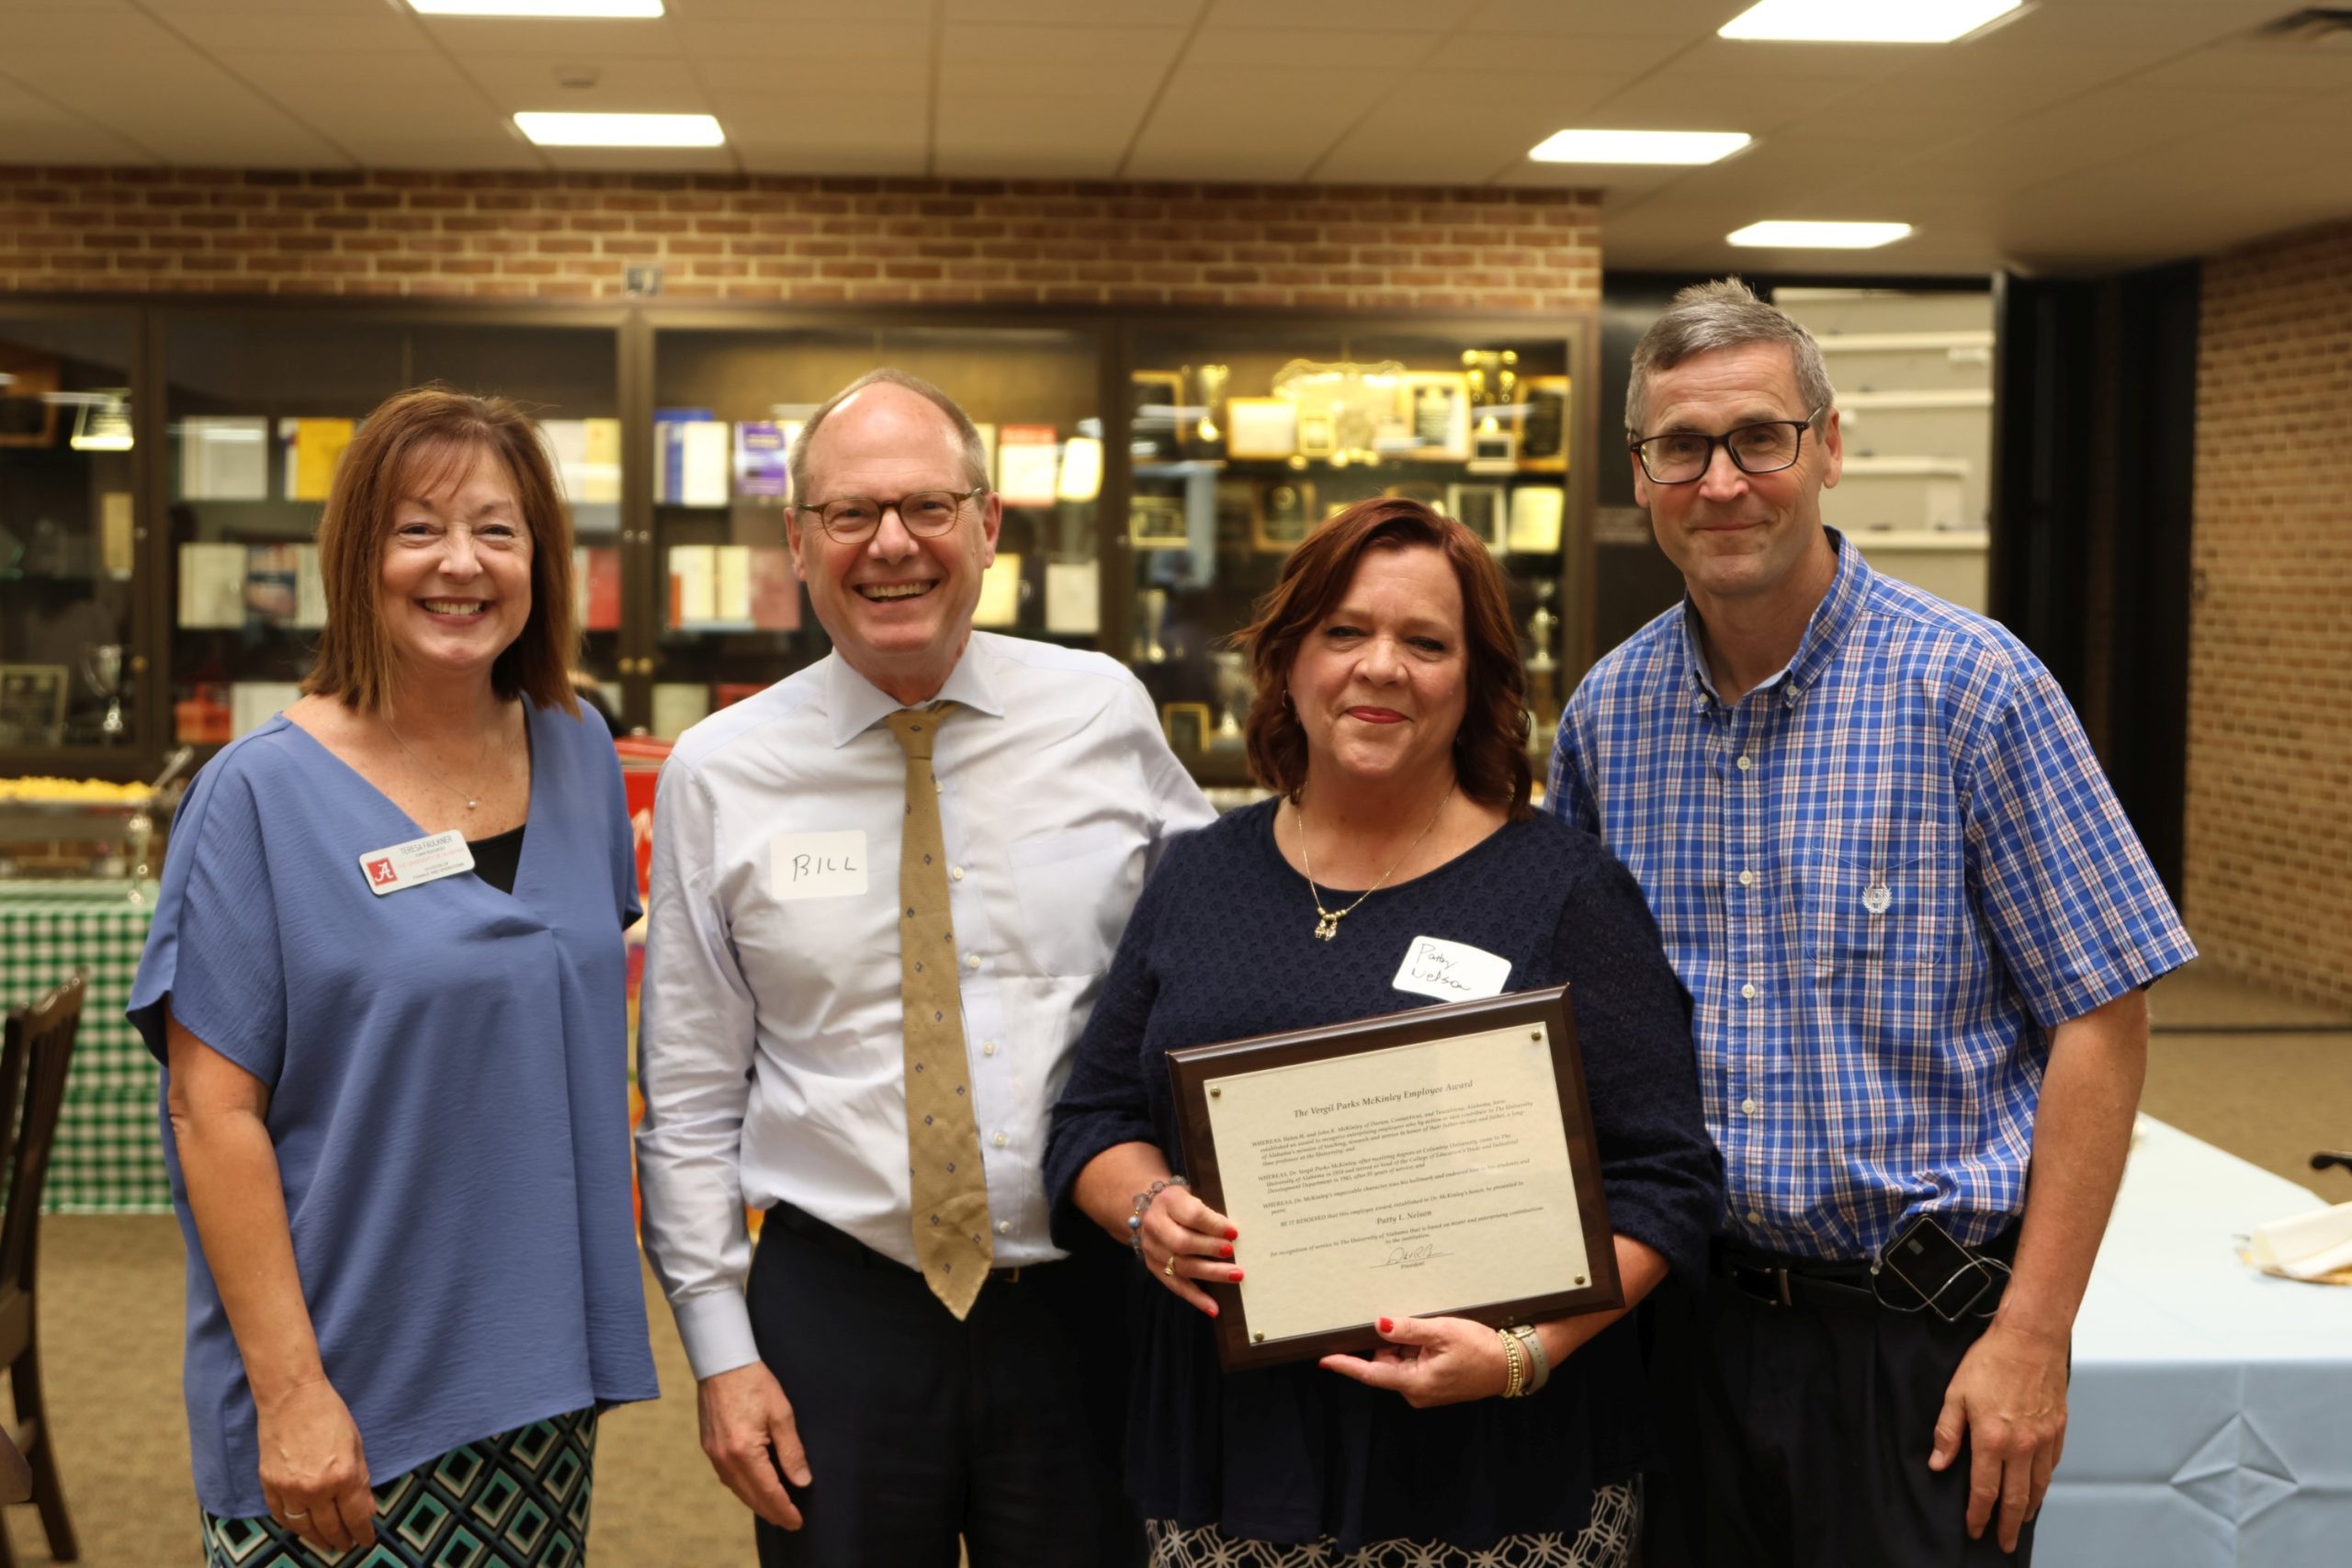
x: 854, y: 705
x: 1823, y: 633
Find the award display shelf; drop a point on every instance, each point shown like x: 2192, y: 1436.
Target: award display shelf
x: 163, y: 466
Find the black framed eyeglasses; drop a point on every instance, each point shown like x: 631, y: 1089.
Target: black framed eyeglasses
x: 1764, y: 447
x: 929, y: 512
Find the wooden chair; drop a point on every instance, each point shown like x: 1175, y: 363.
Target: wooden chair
x: 40, y: 1043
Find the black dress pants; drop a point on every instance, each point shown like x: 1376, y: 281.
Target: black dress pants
x: 1004, y: 1429
x: 1797, y: 1437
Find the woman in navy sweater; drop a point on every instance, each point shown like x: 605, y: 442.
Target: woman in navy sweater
x: 1390, y: 723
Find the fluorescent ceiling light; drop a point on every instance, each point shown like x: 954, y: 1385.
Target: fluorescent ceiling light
x: 1788, y: 234
x: 1638, y: 146
x: 622, y: 129
x: 1865, y: 21
x: 603, y: 9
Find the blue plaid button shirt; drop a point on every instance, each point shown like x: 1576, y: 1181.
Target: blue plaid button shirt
x: 1886, y: 876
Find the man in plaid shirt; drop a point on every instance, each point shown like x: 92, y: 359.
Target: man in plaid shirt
x: 1915, y: 927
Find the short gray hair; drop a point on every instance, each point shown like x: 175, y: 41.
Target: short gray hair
x: 967, y: 435
x: 1722, y: 314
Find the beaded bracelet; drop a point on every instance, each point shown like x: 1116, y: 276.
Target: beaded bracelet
x: 1512, y: 1376
x: 1144, y: 1200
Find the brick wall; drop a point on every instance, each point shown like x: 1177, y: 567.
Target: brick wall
x: 2269, y: 859
x: 800, y: 240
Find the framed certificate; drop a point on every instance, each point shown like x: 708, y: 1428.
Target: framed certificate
x: 1437, y: 1163
x: 1544, y: 424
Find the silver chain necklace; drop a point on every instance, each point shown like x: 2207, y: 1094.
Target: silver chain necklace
x: 472, y: 797
x: 1327, y: 924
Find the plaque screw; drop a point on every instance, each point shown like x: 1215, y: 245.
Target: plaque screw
x: 1580, y: 1278
x: 1215, y: 1092
x: 1258, y: 1338
x: 1536, y: 1035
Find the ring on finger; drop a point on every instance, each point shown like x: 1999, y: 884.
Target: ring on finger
x: 1171, y: 1268
x: 304, y: 1514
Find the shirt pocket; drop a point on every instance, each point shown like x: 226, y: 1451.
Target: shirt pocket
x: 1075, y: 891
x: 1875, y: 900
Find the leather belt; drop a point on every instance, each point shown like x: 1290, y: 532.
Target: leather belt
x: 808, y: 1227
x: 1782, y: 1281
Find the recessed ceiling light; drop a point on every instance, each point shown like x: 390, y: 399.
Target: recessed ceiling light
x: 622, y: 9
x: 621, y: 130
x: 1638, y: 146
x: 1865, y: 21
x: 1788, y: 234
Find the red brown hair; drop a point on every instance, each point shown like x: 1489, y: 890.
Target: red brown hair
x: 1490, y: 749
x: 414, y: 441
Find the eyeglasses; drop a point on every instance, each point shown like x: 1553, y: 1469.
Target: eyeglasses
x: 929, y: 512
x: 1765, y: 447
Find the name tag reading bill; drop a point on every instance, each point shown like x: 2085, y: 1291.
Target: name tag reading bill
x: 1451, y: 971
x: 428, y: 859
x: 817, y: 865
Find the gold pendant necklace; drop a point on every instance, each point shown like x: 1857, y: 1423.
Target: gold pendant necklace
x: 471, y: 797
x: 1327, y: 922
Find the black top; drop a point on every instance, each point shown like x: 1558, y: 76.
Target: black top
x: 1220, y: 947
x: 496, y: 857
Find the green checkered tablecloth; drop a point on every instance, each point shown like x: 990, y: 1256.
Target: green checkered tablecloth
x: 109, y: 1155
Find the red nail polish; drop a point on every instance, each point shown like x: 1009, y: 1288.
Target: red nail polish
x: 1232, y: 1234
x: 1237, y: 1275
x: 1226, y: 1251
x: 1211, y: 1308
x: 1386, y: 1327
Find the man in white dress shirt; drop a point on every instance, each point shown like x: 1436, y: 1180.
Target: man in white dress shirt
x: 864, y: 1401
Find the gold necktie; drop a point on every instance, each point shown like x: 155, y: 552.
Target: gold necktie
x: 944, y: 1174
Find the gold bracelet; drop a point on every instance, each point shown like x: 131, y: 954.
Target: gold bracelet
x: 1512, y: 1374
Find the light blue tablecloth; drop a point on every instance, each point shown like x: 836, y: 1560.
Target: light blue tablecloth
x: 2211, y: 1417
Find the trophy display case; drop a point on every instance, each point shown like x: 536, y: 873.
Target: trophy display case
x: 257, y: 410
x: 1242, y: 439
x: 73, y: 660
x: 729, y: 397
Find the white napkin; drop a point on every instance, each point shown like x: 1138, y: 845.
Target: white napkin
x: 2304, y: 1246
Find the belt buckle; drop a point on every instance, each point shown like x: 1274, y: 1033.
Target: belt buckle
x: 1747, y: 1276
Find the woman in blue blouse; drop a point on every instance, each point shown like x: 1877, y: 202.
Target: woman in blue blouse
x: 1390, y: 722
x: 386, y: 979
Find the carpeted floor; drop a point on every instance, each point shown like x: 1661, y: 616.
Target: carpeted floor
x: 2233, y: 1064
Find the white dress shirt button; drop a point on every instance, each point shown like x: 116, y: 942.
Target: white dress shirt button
x: 1746, y: 762
x: 1004, y: 1228
x: 1747, y: 879
x: 1748, y: 1108
x: 987, y: 1048
x: 1000, y: 1140
x: 1747, y: 992
x: 955, y: 872
x: 972, y: 961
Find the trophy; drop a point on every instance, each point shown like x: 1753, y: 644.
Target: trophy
x: 1493, y: 374
x: 102, y: 668
x: 1149, y: 648
x: 1234, y: 690
x: 1205, y: 439
x: 1543, y: 669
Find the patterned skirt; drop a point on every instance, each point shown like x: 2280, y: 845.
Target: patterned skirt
x: 517, y: 1500
x: 1606, y: 1541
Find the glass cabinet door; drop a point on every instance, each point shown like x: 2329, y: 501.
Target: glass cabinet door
x: 72, y: 664
x: 728, y: 401
x: 1242, y: 440
x: 258, y: 410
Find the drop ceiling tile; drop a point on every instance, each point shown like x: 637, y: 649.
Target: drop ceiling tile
x: 437, y: 147
x: 624, y: 84
x: 1519, y: 111
x: 372, y: 28
x: 1142, y: 48
x: 280, y: 71
x: 1319, y: 16
x: 1672, y: 100
x: 795, y: 157
x: 1075, y: 13
x: 905, y: 46
x: 1320, y: 48
x: 1036, y: 138
x: 694, y: 12
x: 1583, y: 56
x: 1012, y: 78
x: 1686, y: 19
x: 468, y: 37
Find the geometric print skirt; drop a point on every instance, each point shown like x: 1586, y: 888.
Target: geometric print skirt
x: 517, y: 1500
x: 1606, y: 1541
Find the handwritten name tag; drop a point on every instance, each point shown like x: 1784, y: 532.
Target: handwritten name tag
x: 1451, y: 971
x: 428, y: 859
x: 817, y: 865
